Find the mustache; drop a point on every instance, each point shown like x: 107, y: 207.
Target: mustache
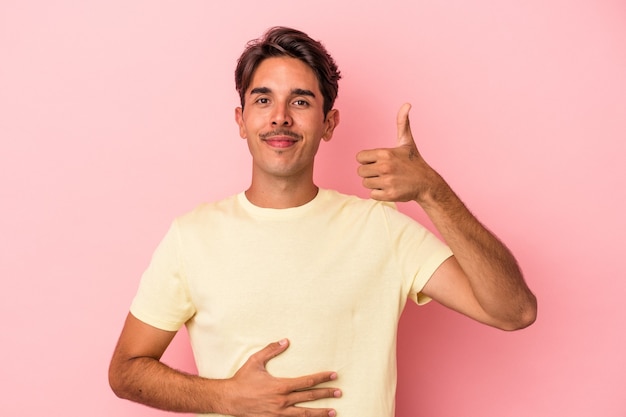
x: 280, y: 132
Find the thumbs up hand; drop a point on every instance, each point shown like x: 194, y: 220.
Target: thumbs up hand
x: 400, y: 173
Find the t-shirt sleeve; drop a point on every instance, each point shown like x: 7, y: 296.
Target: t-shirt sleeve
x: 162, y: 299
x: 438, y: 253
x: 418, y: 252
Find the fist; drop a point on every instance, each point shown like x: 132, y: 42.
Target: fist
x: 399, y: 173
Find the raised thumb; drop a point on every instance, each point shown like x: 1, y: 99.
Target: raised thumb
x: 405, y: 136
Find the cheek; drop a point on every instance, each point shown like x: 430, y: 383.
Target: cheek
x: 251, y: 125
x: 247, y: 128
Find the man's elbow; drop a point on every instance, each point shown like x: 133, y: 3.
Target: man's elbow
x: 524, y: 317
x: 115, y: 384
x: 117, y: 381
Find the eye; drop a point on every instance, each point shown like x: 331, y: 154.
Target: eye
x: 301, y: 103
x: 262, y: 100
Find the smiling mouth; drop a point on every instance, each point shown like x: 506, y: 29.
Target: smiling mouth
x: 280, y: 139
x: 280, y: 142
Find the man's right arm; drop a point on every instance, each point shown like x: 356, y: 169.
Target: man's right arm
x: 137, y: 374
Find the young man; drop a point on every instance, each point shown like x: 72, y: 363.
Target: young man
x: 286, y: 265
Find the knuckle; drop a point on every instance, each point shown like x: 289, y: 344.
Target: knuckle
x: 310, y: 382
x: 280, y: 402
x: 384, y: 168
x: 283, y: 403
x: 386, y: 153
x: 282, y: 387
x: 310, y: 395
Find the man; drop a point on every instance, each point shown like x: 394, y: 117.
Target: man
x: 286, y: 265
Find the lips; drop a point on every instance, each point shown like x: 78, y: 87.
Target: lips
x: 280, y: 141
x: 280, y: 138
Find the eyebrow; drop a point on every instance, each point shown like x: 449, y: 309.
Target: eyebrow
x: 302, y: 92
x: 295, y: 91
x: 260, y: 90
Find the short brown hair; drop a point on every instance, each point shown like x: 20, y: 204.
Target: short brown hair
x: 282, y: 41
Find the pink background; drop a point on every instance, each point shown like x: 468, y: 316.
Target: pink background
x: 117, y: 116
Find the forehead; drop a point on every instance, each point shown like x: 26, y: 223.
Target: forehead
x: 287, y: 73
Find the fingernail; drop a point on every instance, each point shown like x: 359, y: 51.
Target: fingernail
x: 282, y: 342
x: 333, y: 376
x: 337, y: 393
x: 332, y: 413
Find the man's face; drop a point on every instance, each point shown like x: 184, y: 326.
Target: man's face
x: 283, y: 118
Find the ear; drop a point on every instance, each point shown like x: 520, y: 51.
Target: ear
x: 331, y: 122
x: 239, y: 119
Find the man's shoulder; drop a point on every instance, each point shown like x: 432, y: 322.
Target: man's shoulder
x: 354, y: 201
x: 206, y: 210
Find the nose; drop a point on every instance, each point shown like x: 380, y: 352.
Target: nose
x: 281, y: 116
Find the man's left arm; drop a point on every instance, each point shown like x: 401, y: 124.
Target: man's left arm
x: 482, y: 280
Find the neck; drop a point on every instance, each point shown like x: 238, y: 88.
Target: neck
x: 281, y: 194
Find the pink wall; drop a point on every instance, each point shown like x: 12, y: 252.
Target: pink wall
x: 116, y: 116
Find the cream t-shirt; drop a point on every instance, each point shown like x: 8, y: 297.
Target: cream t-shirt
x: 332, y: 276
